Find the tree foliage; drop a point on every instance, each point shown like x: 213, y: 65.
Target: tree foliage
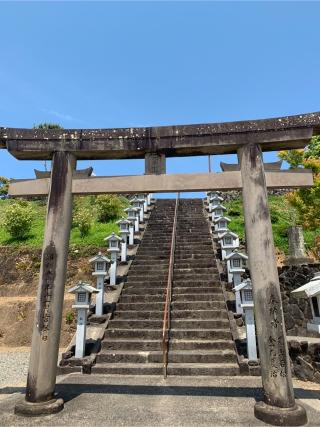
x: 4, y: 185
x: 109, y: 207
x: 306, y: 200
x: 18, y: 219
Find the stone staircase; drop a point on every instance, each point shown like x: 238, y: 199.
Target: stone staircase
x: 132, y: 343
x: 200, y: 337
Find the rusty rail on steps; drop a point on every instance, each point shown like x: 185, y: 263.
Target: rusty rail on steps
x: 167, y: 307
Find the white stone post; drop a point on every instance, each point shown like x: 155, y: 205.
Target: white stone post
x: 81, y: 332
x: 131, y: 233
x: 251, y: 332
x: 124, y: 247
x: 113, y: 268
x: 239, y: 309
x: 137, y: 221
x: 100, y: 294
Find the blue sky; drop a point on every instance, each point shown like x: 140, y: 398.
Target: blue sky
x: 114, y: 64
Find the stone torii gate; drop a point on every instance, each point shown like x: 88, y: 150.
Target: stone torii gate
x: 248, y: 139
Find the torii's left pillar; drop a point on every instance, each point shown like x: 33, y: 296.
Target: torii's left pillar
x: 40, y: 398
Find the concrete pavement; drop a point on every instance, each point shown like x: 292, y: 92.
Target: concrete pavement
x: 152, y: 401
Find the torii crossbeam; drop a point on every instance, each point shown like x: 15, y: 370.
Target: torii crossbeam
x: 248, y: 139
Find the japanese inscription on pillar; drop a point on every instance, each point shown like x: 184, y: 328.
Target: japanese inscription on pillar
x: 276, y: 343
x: 47, y: 283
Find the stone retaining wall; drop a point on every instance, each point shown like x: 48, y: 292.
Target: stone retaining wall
x: 297, y: 311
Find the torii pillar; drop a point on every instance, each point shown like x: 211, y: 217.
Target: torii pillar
x: 279, y: 406
x: 40, y: 398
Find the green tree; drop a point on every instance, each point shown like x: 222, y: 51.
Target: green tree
x: 18, y: 218
x: 109, y: 207
x: 307, y: 200
x: 4, y: 185
x: 47, y: 126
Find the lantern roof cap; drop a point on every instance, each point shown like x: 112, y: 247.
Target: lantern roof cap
x: 236, y: 254
x: 216, y: 197
x: 113, y: 237
x: 310, y: 289
x: 229, y: 233
x: 130, y: 208
x: 83, y: 287
x: 99, y: 257
x: 246, y: 284
x: 222, y: 218
x: 215, y: 207
x: 123, y: 221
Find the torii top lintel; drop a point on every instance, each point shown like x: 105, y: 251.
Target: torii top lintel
x: 182, y: 140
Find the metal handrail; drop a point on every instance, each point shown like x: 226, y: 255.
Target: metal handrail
x: 167, y: 307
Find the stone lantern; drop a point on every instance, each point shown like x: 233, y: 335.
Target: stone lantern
x: 215, y: 200
x: 83, y: 292
x: 139, y: 204
x: 149, y: 197
x: 114, y: 242
x: 229, y: 242
x: 245, y: 290
x: 221, y: 224
x: 134, y: 220
x: 311, y: 290
x: 124, y: 232
x: 235, y: 266
x: 100, y: 265
x: 217, y: 211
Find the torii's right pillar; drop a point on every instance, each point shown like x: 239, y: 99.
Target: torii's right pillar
x: 279, y: 406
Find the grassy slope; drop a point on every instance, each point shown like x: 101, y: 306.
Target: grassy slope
x: 95, y: 238
x: 282, y: 216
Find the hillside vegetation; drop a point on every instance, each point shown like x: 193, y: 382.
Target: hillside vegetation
x: 86, y: 208
x: 283, y: 215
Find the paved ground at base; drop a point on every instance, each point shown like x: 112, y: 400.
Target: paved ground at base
x: 152, y: 401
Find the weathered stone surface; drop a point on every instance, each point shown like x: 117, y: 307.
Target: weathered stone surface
x: 297, y: 311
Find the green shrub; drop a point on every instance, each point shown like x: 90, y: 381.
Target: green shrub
x: 18, y: 219
x: 82, y: 219
x: 109, y: 207
x: 70, y: 317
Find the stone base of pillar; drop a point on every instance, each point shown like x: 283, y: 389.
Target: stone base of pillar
x: 295, y: 416
x: 30, y: 409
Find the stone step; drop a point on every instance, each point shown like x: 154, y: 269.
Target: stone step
x: 141, y: 291
x: 142, y: 298
x: 197, y: 334
x: 198, y: 314
x: 138, y: 315
x: 175, y: 356
x: 132, y: 344
x: 208, y: 369
x: 128, y: 368
x: 196, y: 276
x: 184, y: 344
x: 123, y: 333
x: 189, y: 298
x: 198, y: 305
x: 194, y: 264
x: 139, y: 324
x: 131, y: 284
x: 195, y: 291
x: 196, y: 284
x: 156, y: 306
x: 196, y: 324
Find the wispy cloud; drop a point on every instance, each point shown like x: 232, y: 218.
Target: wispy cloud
x: 61, y: 116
